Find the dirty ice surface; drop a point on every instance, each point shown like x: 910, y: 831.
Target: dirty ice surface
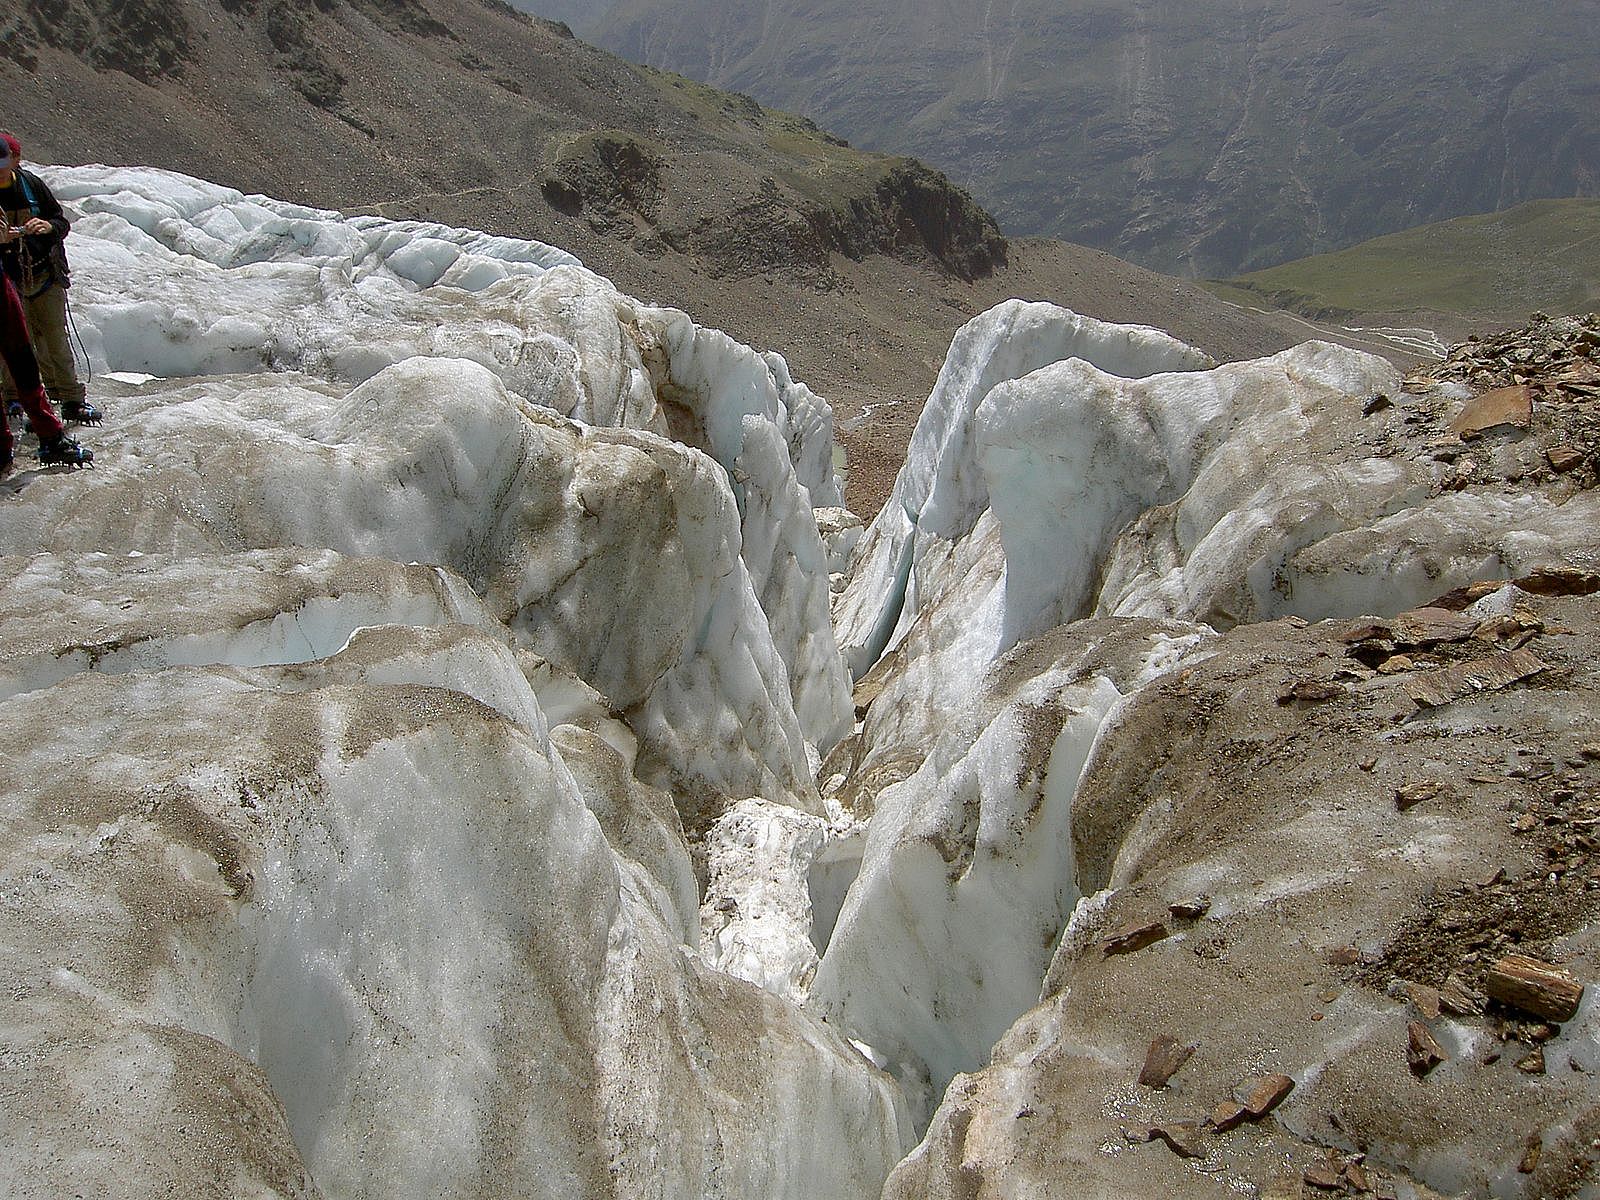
x: 512, y: 772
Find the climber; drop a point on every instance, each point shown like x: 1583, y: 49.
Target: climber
x: 36, y: 264
x: 55, y: 447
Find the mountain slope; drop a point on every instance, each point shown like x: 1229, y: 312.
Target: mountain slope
x: 1204, y: 138
x: 857, y: 267
x: 1489, y: 270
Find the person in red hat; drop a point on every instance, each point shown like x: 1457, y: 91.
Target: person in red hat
x: 36, y: 263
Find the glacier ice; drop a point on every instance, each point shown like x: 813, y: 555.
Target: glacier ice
x: 470, y: 793
x: 372, y: 878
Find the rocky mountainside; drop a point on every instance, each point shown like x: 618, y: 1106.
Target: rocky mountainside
x: 1201, y: 139
x: 856, y: 266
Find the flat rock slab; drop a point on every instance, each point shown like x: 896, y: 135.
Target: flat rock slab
x: 1510, y: 407
x: 1481, y: 675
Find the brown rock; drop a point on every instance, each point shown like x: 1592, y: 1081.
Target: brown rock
x: 1533, y: 1064
x: 1538, y: 988
x: 1260, y: 1096
x: 1162, y: 1060
x: 1531, y: 1151
x: 1181, y: 1137
x: 1505, y: 628
x: 1343, y: 956
x: 1456, y: 998
x: 1135, y: 937
x: 1366, y: 631
x: 1311, y: 691
x: 1430, y: 626
x: 1397, y: 664
x: 1591, y: 752
x: 1191, y: 909
x: 1560, y: 581
x: 1436, y: 688
x: 1564, y: 458
x: 1423, y: 1053
x: 1413, y: 794
x: 1426, y: 999
x: 1325, y: 1176
x: 1466, y: 597
x: 1511, y: 407
x: 1227, y: 1115
x: 1358, y: 1177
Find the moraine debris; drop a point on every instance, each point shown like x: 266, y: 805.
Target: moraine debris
x: 1135, y: 937
x: 1539, y: 988
x: 1324, y: 1176
x: 1563, y: 459
x: 1191, y: 909
x: 1560, y: 581
x: 1413, y: 794
x: 1460, y: 1000
x: 1229, y: 1114
x: 1423, y: 1052
x: 1503, y: 408
x: 1438, y: 688
x: 1429, y: 627
x: 1427, y: 1000
x: 1311, y: 691
x: 1181, y: 1137
x: 1531, y: 1151
x: 1261, y: 1096
x: 1357, y: 1176
x: 1162, y: 1061
x: 1533, y: 1064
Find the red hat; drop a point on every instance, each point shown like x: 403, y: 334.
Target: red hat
x: 13, y: 150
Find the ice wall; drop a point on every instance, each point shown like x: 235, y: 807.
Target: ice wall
x: 354, y: 921
x: 1047, y: 498
x: 178, y: 277
x: 428, y: 603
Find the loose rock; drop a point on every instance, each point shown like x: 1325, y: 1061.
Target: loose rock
x: 1423, y: 1052
x: 1261, y: 1096
x: 1510, y: 407
x: 1534, y: 987
x: 1162, y: 1060
x: 1437, y: 688
x: 1135, y: 937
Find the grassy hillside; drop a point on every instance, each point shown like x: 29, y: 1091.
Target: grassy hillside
x: 1494, y: 268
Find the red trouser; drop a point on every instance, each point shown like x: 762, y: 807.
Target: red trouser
x: 17, y: 351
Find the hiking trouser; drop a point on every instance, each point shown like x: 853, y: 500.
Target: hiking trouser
x: 23, y: 368
x: 58, y: 370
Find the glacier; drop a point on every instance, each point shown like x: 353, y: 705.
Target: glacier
x: 459, y: 744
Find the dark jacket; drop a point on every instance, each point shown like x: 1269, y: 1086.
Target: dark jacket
x: 35, y: 262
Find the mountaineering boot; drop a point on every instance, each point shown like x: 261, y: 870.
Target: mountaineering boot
x: 81, y: 412
x: 65, y: 452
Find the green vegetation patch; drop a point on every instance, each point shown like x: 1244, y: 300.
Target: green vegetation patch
x: 1539, y: 256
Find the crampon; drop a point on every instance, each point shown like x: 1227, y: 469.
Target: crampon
x: 81, y: 412
x: 65, y: 452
